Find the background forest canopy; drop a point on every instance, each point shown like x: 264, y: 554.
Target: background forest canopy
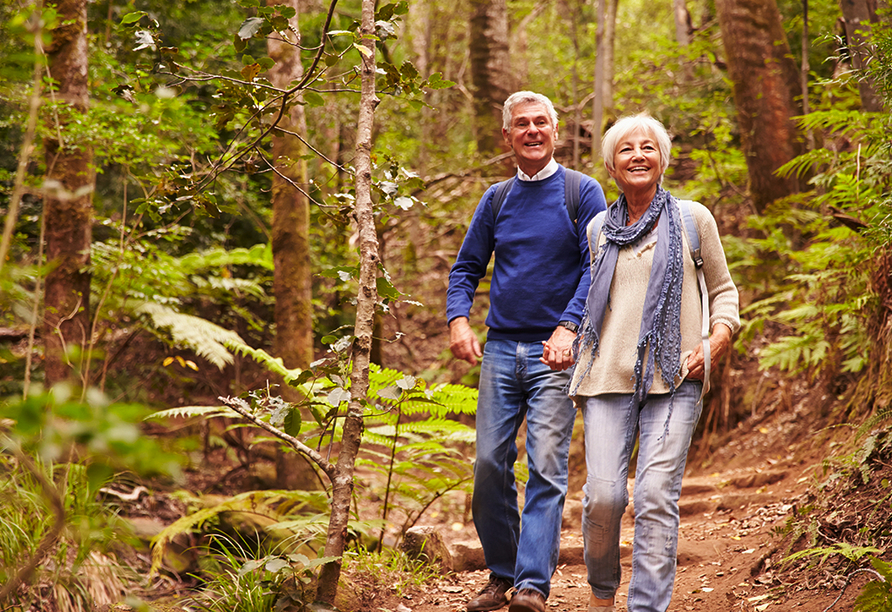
x: 196, y: 202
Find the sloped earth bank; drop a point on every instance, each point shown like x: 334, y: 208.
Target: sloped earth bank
x: 730, y: 543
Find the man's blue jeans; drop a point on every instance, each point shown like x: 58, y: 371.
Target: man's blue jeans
x: 611, y: 425
x: 514, y: 384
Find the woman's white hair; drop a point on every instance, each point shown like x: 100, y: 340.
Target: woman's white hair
x: 625, y: 126
x: 526, y: 97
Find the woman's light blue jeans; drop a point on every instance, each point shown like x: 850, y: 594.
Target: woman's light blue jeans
x: 611, y: 425
x: 515, y: 385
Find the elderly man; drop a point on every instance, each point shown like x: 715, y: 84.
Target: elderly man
x: 535, y: 224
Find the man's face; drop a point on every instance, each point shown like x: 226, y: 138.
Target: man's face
x: 531, y: 136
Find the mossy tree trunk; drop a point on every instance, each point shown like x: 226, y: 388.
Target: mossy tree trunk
x: 858, y: 15
x: 68, y: 207
x: 766, y: 82
x: 292, y: 276
x: 490, y: 72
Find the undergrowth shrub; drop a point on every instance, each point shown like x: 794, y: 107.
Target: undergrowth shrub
x: 58, y: 540
x: 845, y: 517
x: 239, y: 581
x: 876, y: 596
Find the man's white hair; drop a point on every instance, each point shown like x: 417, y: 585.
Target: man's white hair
x: 526, y: 97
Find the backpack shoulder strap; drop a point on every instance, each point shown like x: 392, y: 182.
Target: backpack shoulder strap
x: 694, y: 241
x: 594, y: 233
x: 691, y: 230
x: 572, y: 180
x: 498, y: 198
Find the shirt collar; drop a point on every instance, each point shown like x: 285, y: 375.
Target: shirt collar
x: 550, y: 168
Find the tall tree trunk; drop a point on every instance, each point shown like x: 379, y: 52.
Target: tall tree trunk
x: 609, y: 112
x: 367, y: 297
x: 292, y: 279
x: 69, y: 208
x: 858, y: 15
x: 490, y: 72
x: 598, y: 97
x: 682, y: 23
x: 419, y: 26
x: 803, y: 75
x: 765, y: 84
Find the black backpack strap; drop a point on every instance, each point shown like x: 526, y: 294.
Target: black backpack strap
x: 502, y: 190
x: 572, y: 179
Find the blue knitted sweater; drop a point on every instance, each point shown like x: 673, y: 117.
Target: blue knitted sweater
x: 541, y: 270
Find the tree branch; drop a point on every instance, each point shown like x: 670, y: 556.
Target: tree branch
x: 241, y: 406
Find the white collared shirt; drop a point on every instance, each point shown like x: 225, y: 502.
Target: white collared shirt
x: 550, y: 168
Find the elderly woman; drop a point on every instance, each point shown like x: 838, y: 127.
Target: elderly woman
x: 649, y: 384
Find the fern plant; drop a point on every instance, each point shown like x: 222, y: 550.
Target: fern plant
x: 242, y: 582
x: 410, y: 438
x: 876, y: 596
x: 823, y: 304
x: 412, y: 442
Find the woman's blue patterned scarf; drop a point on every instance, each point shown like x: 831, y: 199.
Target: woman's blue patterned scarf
x: 661, y: 317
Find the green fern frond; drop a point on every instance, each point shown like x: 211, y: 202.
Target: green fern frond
x: 258, y: 255
x: 876, y: 596
x: 184, y: 412
x: 443, y: 429
x: 802, y: 165
x: 266, y: 503
x: 834, y: 120
x: 852, y: 553
x: 205, y: 338
x: 455, y: 399
x: 794, y: 353
x: 874, y: 421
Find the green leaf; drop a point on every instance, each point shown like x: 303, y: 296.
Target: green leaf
x: 98, y: 474
x: 277, y: 564
x: 238, y: 44
x: 292, y: 423
x: 362, y: 49
x: 313, y: 99
x: 436, y: 81
x: 386, y: 290
x: 132, y: 17
x: 250, y: 27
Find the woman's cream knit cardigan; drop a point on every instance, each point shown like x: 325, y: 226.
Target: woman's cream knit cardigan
x: 613, y: 369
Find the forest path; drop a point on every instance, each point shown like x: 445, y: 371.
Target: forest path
x: 729, y: 524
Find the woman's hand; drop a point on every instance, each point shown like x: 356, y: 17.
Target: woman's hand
x: 719, y: 341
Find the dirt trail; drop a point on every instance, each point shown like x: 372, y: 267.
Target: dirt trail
x: 725, y: 543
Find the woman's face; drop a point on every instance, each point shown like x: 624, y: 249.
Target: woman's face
x: 637, y: 165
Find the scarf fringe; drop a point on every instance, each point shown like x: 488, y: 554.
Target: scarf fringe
x: 662, y: 333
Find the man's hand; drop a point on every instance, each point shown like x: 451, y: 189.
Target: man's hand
x: 557, y: 353
x: 463, y: 341
x: 719, y: 341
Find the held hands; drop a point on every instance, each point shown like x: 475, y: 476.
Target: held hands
x: 719, y: 341
x: 557, y: 353
x: 463, y: 341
